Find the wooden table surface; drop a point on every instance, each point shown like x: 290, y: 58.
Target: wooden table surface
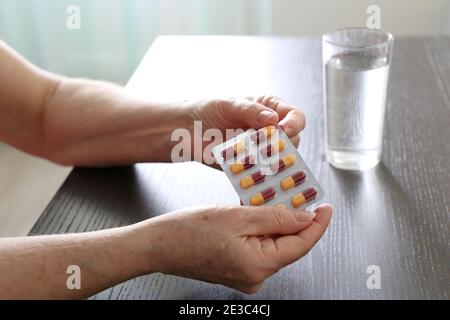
x: 395, y: 216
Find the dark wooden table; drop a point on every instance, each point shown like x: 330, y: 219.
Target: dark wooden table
x: 395, y: 216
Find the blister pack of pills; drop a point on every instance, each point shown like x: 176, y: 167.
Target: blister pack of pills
x: 265, y: 168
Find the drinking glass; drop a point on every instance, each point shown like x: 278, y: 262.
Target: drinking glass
x: 355, y: 76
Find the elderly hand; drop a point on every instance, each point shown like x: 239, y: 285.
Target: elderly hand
x: 250, y: 112
x: 236, y: 246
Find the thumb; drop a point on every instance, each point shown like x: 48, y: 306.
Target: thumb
x: 252, y: 113
x: 275, y: 220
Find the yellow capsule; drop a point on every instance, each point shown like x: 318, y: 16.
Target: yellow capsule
x: 242, y: 165
x: 257, y: 200
x: 246, y: 182
x: 236, y: 168
x: 284, y: 163
x: 301, y: 198
x: 298, y: 200
x: 279, y: 145
x: 293, y: 180
x: 262, y: 197
x: 251, y: 180
x: 233, y: 150
x: 262, y: 134
x: 272, y: 148
x: 289, y: 160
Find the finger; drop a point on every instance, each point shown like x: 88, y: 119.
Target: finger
x: 264, y: 221
x: 295, y: 140
x: 293, y: 123
x: 320, y: 223
x: 292, y: 120
x: 250, y: 112
x: 286, y: 249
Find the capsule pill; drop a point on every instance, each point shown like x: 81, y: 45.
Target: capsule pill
x: 284, y: 163
x: 233, y: 151
x: 242, y: 165
x: 293, y: 180
x: 273, y: 148
x: 262, y: 197
x: 303, y: 197
x: 251, y: 180
x: 262, y: 134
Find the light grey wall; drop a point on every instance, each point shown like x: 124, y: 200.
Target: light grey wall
x: 401, y: 17
x: 115, y: 34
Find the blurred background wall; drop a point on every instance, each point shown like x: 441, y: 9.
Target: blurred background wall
x: 115, y: 34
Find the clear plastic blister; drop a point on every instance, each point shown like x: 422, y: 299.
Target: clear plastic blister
x: 265, y: 168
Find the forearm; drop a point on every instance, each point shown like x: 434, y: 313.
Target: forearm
x: 80, y: 122
x: 95, y: 123
x: 35, y: 267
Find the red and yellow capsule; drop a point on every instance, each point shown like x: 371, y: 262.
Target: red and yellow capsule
x: 284, y: 163
x: 262, y: 197
x: 251, y: 180
x: 293, y: 180
x: 233, y: 151
x: 243, y: 164
x: 303, y: 197
x: 262, y: 134
x: 273, y: 148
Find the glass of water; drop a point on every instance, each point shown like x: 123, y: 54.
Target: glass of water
x: 355, y: 77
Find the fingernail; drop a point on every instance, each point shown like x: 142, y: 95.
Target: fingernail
x: 264, y: 116
x: 305, y: 216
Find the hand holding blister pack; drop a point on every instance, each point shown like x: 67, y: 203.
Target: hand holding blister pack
x: 265, y: 168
